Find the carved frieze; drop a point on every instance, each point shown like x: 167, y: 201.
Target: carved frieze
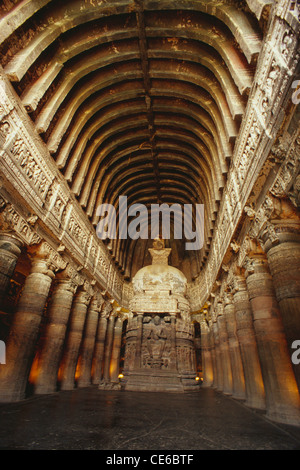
x: 11, y: 220
x: 29, y: 168
x: 288, y: 172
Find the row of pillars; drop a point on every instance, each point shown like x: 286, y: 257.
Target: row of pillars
x: 81, y: 339
x: 247, y: 338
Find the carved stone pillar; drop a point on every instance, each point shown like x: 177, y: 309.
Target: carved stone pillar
x: 108, y: 349
x: 224, y: 350
x: 86, y: 356
x: 139, y: 338
x: 218, y: 382
x: 282, y: 246
x: 254, y: 386
x: 213, y: 352
x: 207, y: 363
x: 282, y: 397
x: 10, y: 250
x: 116, y: 351
x: 97, y: 371
x: 65, y: 285
x: 238, y: 379
x: 25, y: 327
x: 76, y: 325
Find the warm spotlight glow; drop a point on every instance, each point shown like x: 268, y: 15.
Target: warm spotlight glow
x: 35, y: 370
x: 197, y: 378
x: 120, y: 376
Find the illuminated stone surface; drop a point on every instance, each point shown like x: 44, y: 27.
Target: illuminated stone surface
x: 164, y: 102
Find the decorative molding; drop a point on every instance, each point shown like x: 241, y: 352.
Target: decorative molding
x: 37, y: 184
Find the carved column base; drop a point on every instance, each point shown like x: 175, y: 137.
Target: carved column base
x: 109, y: 385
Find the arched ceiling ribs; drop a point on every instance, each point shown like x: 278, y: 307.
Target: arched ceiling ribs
x: 99, y: 79
x: 127, y: 91
x: 178, y: 168
x: 80, y: 176
x: 201, y: 115
x: 147, y: 179
x: 69, y: 170
x: 198, y: 104
x: 170, y: 195
x: 112, y: 148
x: 135, y: 98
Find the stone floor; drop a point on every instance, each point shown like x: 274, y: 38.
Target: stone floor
x: 93, y: 419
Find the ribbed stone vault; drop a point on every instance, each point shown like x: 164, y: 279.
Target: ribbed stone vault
x: 143, y: 99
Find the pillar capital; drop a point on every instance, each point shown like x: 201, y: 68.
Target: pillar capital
x: 45, y: 260
x: 204, y: 323
x: 106, y: 310
x: 83, y: 296
x: 69, y: 278
x: 12, y: 222
x: 276, y: 221
x: 256, y: 263
x: 219, y: 308
x: 280, y: 231
x: 228, y: 302
x: 97, y: 302
x: 239, y: 284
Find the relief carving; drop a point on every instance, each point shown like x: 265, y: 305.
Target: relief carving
x: 156, y: 336
x: 29, y: 165
x: 12, y: 220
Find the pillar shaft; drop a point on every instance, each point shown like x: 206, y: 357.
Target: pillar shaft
x: 99, y: 350
x: 52, y: 347
x: 86, y: 356
x: 116, y: 351
x: 25, y: 327
x: 10, y: 250
x: 207, y: 363
x: 218, y: 382
x: 284, y: 262
x: 224, y: 352
x: 213, y: 352
x: 254, y: 387
x: 282, y: 398
x: 71, y: 352
x: 238, y: 379
x: 108, y: 348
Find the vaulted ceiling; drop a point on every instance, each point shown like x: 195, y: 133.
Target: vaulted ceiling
x: 140, y: 98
